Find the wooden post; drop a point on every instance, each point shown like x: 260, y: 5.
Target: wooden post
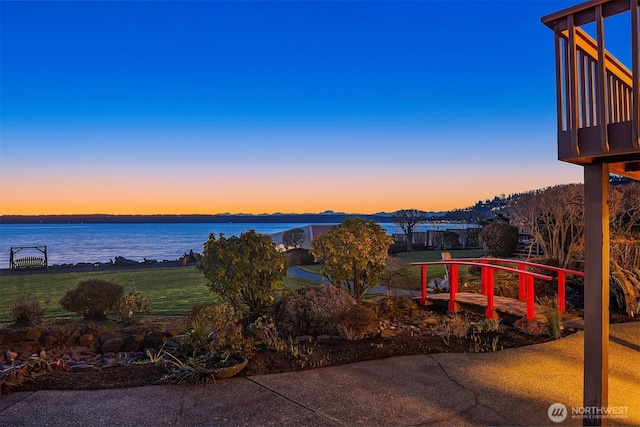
x: 522, y: 291
x: 596, y: 289
x: 561, y: 292
x: 453, y: 288
x: 423, y: 283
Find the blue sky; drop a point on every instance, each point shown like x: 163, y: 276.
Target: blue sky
x: 205, y: 107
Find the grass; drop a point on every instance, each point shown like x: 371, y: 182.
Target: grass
x: 421, y: 256
x: 171, y: 291
x: 437, y: 270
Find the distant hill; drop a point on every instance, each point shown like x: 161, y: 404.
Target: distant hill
x: 307, y: 218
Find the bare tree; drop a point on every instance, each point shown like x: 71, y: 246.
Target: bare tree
x: 624, y: 207
x: 397, y: 274
x: 408, y: 220
x: 553, y: 216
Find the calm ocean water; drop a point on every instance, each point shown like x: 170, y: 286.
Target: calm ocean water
x: 74, y: 243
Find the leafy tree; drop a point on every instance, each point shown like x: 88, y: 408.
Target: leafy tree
x: 353, y: 254
x: 244, y: 271
x: 499, y: 239
x: 293, y: 238
x: 408, y: 220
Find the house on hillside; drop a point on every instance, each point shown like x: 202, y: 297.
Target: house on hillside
x: 310, y: 233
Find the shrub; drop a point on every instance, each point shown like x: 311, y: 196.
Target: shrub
x: 27, y: 311
x: 245, y: 271
x: 214, y: 330
x: 529, y: 327
x: 300, y: 257
x: 214, y: 340
x: 353, y: 254
x: 93, y: 298
x: 487, y: 325
x: 312, y: 310
x: 131, y: 308
x: 554, y: 317
x: 265, y: 329
x: 453, y: 326
x: 356, y: 323
x: 397, y: 307
x: 499, y: 239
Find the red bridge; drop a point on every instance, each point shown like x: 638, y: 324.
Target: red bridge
x: 488, y: 266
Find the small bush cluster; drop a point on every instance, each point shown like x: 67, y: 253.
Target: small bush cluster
x: 93, y: 298
x: 214, y: 329
x: 27, y: 310
x: 529, y: 327
x: 213, y: 340
x: 356, y: 323
x: 397, y: 306
x: 265, y: 329
x: 131, y: 308
x: 487, y: 325
x: 312, y: 310
x: 553, y: 327
x: 453, y: 326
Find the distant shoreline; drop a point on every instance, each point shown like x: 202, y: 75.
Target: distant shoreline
x: 196, y: 218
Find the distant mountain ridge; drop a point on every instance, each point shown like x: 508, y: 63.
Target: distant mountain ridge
x: 324, y: 217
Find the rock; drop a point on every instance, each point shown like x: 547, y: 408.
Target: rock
x: 47, y: 340
x: 106, y: 337
x: 112, y: 345
x: 108, y: 363
x: 303, y: 338
x: 91, y: 328
x: 123, y: 261
x: 133, y: 342
x: 154, y: 339
x: 32, y: 334
x: 87, y: 340
x: 72, y: 339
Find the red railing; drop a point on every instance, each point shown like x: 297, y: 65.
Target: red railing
x: 526, y: 284
x: 522, y: 265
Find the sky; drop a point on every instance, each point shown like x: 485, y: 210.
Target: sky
x: 261, y: 107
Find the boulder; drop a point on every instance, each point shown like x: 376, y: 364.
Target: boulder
x: 123, y: 261
x: 112, y: 345
x: 87, y: 340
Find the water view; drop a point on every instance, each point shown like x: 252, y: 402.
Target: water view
x: 74, y: 243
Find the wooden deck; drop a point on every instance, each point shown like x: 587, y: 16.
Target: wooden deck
x: 504, y: 305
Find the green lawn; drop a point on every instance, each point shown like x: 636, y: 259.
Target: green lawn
x: 437, y: 270
x: 171, y: 291
x: 422, y: 256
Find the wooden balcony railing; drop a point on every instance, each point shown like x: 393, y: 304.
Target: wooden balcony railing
x: 598, y: 97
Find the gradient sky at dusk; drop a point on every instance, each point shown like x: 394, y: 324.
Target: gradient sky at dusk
x: 208, y: 107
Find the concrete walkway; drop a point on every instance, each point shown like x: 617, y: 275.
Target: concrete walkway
x: 510, y: 387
